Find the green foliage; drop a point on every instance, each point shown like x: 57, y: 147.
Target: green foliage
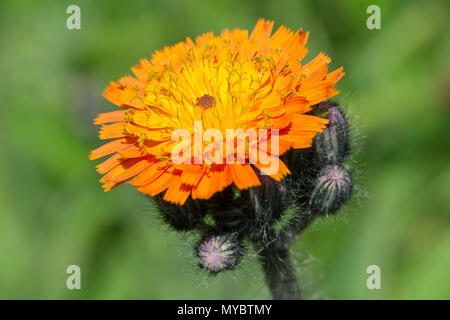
x: 53, y: 212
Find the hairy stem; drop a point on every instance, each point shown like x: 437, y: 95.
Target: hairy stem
x: 290, y: 231
x: 278, y: 271
x: 274, y: 257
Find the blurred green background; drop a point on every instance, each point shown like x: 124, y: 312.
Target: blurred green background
x: 53, y: 212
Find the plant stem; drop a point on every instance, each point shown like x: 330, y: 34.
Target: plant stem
x: 274, y: 257
x: 290, y: 231
x: 279, y: 274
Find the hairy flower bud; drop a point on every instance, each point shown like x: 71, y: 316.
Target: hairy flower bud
x: 268, y: 199
x: 181, y: 217
x: 332, y: 189
x: 233, y: 219
x: 229, y: 209
x: 219, y: 252
x: 333, y: 144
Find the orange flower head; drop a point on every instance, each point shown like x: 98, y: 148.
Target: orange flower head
x: 234, y: 81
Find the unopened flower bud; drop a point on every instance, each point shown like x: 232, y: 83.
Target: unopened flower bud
x: 231, y: 220
x: 181, y: 217
x: 229, y: 210
x: 333, y: 144
x: 332, y: 189
x: 268, y: 199
x: 219, y: 252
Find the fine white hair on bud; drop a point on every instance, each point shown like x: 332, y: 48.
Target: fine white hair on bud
x: 181, y: 218
x: 333, y: 144
x: 219, y: 252
x: 331, y: 190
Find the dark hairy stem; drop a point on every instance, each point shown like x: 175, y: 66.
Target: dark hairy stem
x: 274, y: 257
x: 290, y: 232
x: 278, y: 271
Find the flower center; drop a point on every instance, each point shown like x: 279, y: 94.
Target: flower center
x: 206, y: 101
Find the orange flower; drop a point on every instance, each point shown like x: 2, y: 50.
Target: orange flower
x: 230, y: 81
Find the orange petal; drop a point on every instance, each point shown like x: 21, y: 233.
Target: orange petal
x: 133, y: 152
x: 214, y: 180
x: 192, y: 174
x: 262, y: 29
x: 206, y: 186
x: 112, y: 93
x: 281, y: 172
x: 108, y: 117
x: 297, y: 105
x: 243, y: 176
x: 122, y: 167
x: 108, y: 148
x: 129, y: 81
x: 150, y: 174
x: 304, y: 122
x: 131, y: 170
x: 142, y: 70
x: 110, y: 163
x: 159, y: 185
x: 177, y: 192
x: 111, y: 131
